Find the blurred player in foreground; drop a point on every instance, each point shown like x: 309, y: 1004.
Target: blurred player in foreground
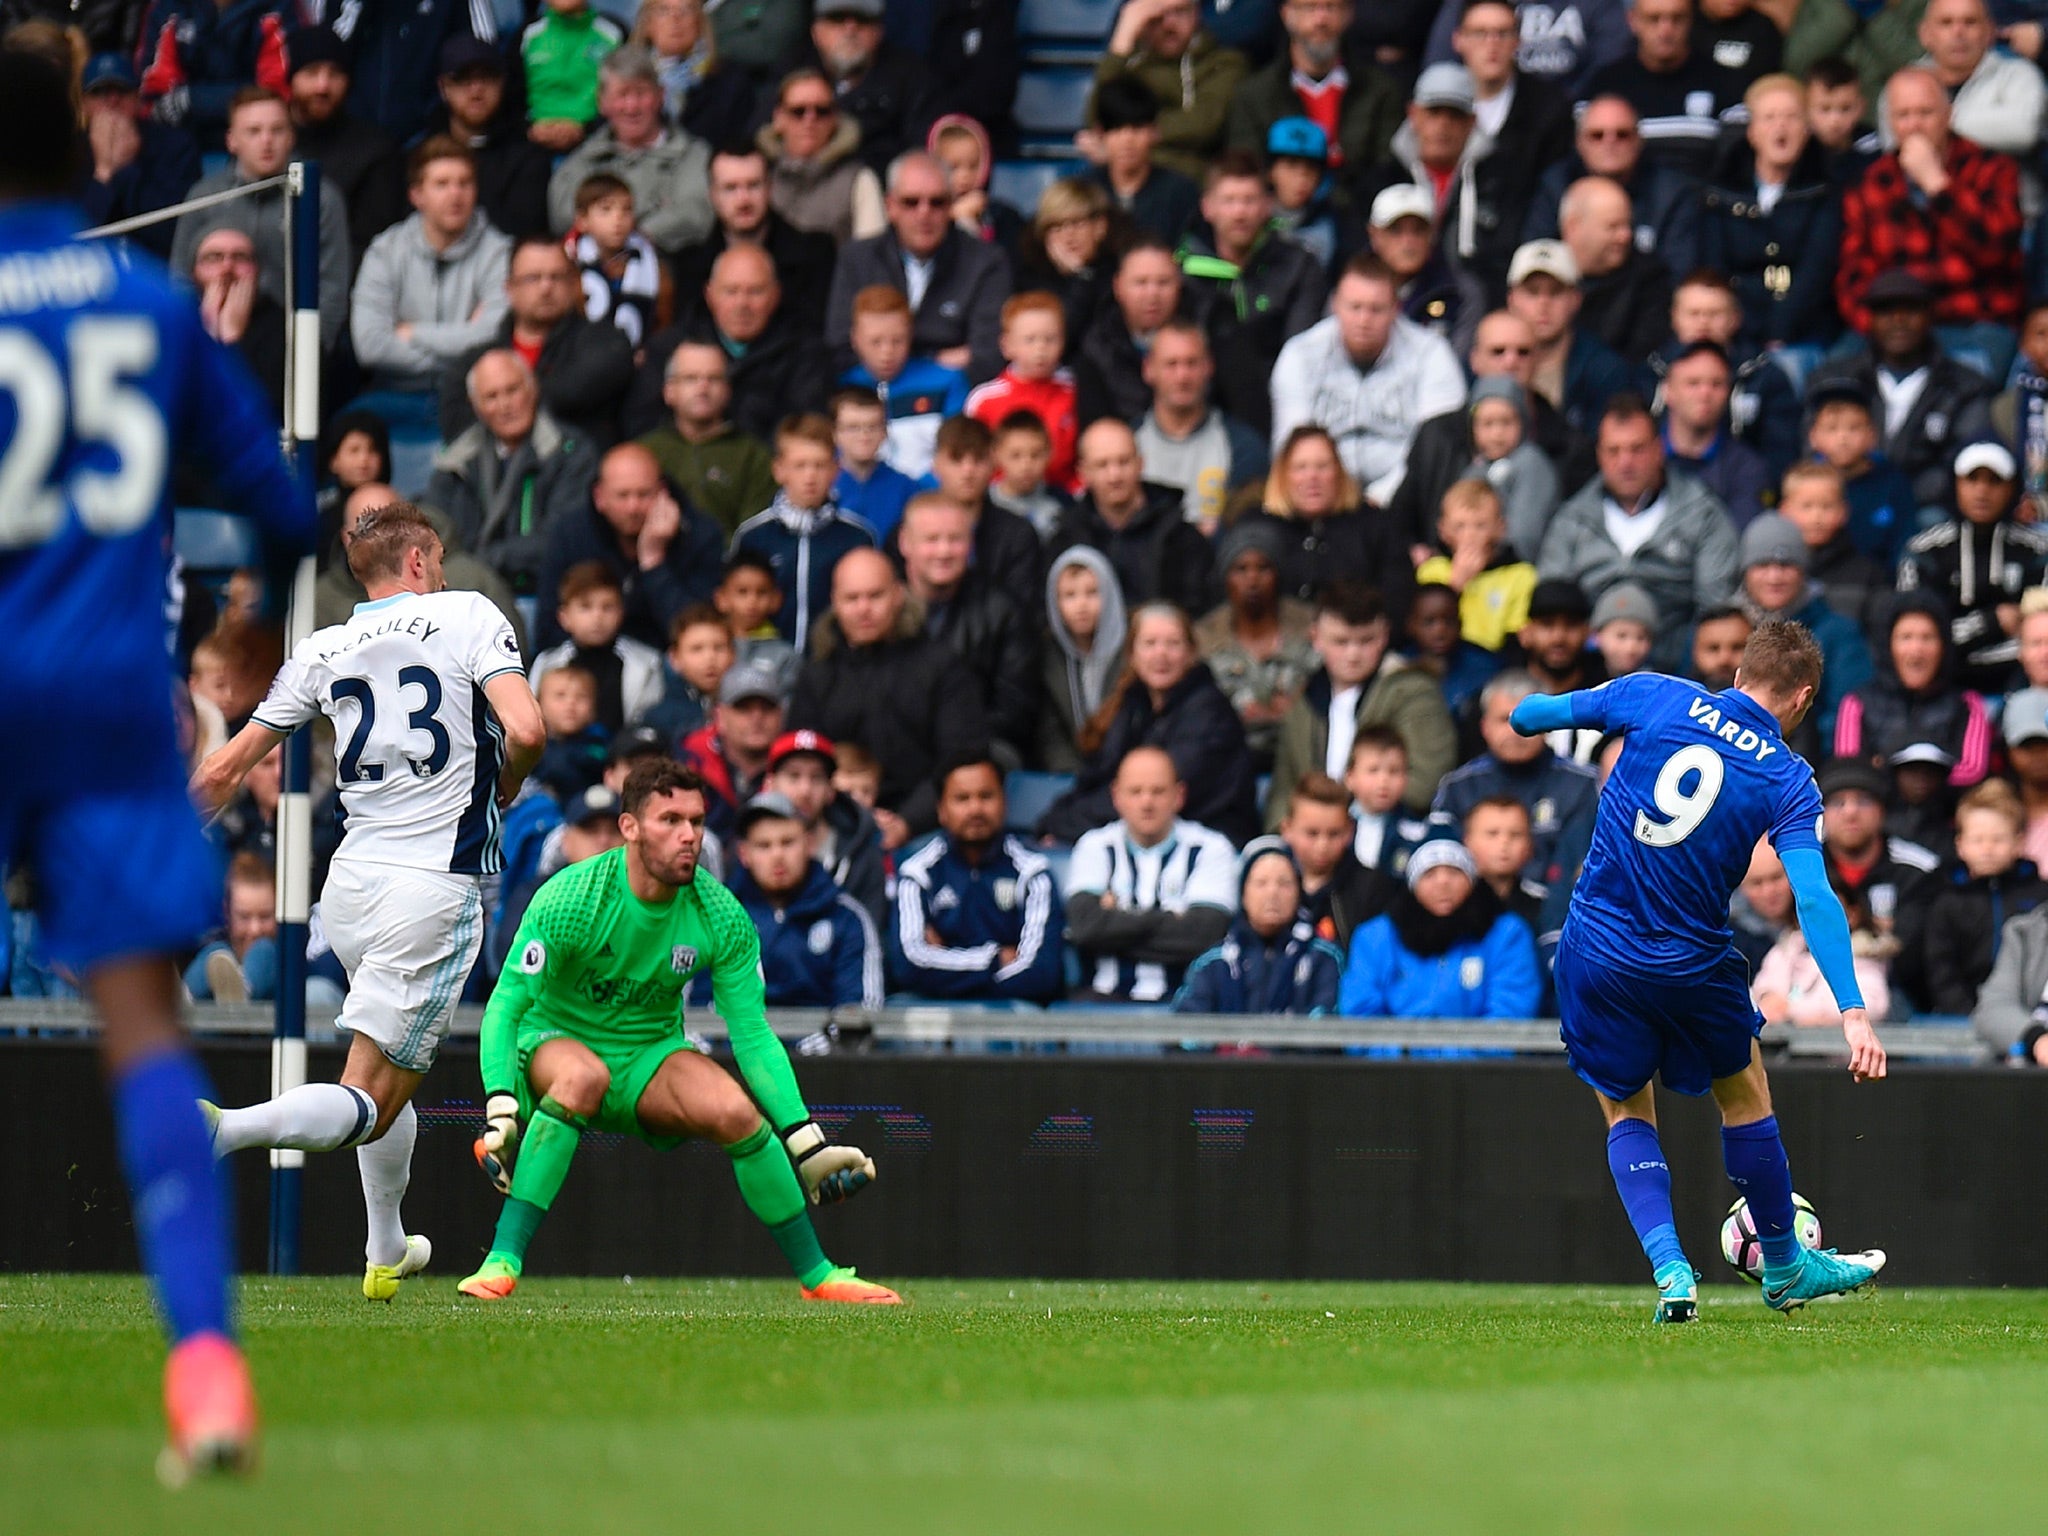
x: 434, y: 730
x: 585, y: 1031
x: 1648, y: 981
x: 104, y: 375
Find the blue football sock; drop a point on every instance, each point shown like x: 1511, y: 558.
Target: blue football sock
x: 1757, y: 1166
x: 1643, y: 1178
x: 177, y: 1190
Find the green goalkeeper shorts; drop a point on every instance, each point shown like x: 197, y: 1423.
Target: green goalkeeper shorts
x: 632, y: 1069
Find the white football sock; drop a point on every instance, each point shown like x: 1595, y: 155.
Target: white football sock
x: 386, y: 1166
x: 314, y: 1117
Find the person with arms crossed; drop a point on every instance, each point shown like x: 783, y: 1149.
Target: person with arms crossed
x: 106, y: 370
x: 1648, y: 980
x: 633, y: 927
x: 435, y: 729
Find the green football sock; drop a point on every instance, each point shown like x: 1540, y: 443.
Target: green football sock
x: 769, y: 1186
x: 545, y: 1153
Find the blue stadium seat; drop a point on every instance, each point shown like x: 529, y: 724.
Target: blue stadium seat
x: 1030, y: 794
x: 412, y: 458
x: 1067, y: 20
x: 211, y: 542
x: 1052, y: 103
x: 1021, y: 183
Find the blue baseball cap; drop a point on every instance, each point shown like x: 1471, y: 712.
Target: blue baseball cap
x: 1298, y: 138
x: 105, y: 70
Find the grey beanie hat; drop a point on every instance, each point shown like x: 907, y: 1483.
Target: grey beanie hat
x: 1625, y: 600
x: 1247, y: 533
x: 1438, y: 851
x: 1499, y: 387
x: 1772, y: 540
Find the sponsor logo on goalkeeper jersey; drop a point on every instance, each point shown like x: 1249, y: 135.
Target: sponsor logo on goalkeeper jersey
x: 625, y: 991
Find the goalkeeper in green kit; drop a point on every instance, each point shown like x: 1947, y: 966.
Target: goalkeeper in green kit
x: 585, y: 1031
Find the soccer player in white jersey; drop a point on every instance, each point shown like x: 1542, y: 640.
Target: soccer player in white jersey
x: 434, y: 730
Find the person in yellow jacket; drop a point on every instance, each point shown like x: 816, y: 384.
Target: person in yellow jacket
x: 1492, y: 580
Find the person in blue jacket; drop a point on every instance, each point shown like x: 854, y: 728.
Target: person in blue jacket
x: 978, y: 914
x: 1446, y: 949
x: 1271, y: 960
x: 819, y: 948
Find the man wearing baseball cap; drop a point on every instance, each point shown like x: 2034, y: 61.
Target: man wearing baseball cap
x: 732, y: 751
x: 138, y: 165
x: 1574, y: 370
x: 844, y: 837
x: 1307, y: 207
x: 1980, y: 561
x: 1434, y: 293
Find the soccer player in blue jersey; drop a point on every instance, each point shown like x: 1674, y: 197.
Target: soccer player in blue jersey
x: 105, y: 375
x: 1648, y: 980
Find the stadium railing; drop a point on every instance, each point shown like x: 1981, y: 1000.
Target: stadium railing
x: 943, y: 1027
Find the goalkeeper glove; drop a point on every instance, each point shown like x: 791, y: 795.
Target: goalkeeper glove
x: 494, y: 1149
x: 830, y: 1173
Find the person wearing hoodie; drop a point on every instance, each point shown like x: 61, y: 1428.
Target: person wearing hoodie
x: 1162, y: 45
x: 432, y: 288
x: 961, y: 145
x: 1776, y: 584
x: 1167, y: 699
x: 1083, y: 652
x: 1271, y: 960
x: 844, y: 836
x: 1476, y: 210
x: 1981, y: 560
x: 1506, y: 459
x: 816, y: 179
x: 1771, y: 222
x: 1245, y: 283
x: 819, y: 948
x: 1156, y: 553
x: 1914, y: 696
x: 1446, y: 949
x: 978, y: 915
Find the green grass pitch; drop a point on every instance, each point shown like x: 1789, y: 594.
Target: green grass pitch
x: 729, y: 1407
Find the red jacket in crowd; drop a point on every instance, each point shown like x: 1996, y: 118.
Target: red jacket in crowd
x: 1964, y: 244
x: 1051, y: 400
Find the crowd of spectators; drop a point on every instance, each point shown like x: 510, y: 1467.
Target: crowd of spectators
x: 1366, y: 369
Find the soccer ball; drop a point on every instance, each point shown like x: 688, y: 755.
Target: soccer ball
x: 1744, y: 1251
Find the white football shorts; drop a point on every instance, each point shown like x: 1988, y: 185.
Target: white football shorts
x: 408, y: 939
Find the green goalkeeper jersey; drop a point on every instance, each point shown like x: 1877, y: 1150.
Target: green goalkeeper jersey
x: 596, y: 963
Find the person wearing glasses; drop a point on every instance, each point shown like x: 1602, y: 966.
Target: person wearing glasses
x: 1560, y: 42
x: 1609, y: 143
x: 1528, y: 116
x: 884, y: 89
x: 817, y: 180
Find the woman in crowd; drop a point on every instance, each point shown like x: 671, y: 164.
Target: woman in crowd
x: 1789, y: 989
x: 1447, y: 949
x: 1067, y: 252
x: 1914, y: 699
x: 1165, y: 698
x: 815, y: 179
x: 697, y: 92
x: 1326, y: 531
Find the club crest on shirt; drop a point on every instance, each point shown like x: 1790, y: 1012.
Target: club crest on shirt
x: 1471, y: 971
x: 819, y: 939
x: 1005, y: 893
x: 682, y: 959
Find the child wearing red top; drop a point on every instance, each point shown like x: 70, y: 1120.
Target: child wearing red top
x: 1034, y: 336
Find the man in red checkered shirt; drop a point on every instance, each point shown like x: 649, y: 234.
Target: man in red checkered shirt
x: 1945, y: 210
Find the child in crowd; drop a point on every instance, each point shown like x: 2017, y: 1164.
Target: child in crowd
x: 1271, y: 960
x: 239, y: 964
x: 1446, y: 948
x: 1835, y: 112
x: 624, y: 278
x: 819, y: 948
x: 866, y: 486
x: 749, y: 595
x: 358, y: 453
x: 1083, y: 650
x: 574, y: 757
x: 1624, y: 627
x: 1812, y: 500
x: 1881, y: 503
x: 1023, y: 449
x: 1337, y: 892
x: 1304, y: 192
x: 560, y: 53
x: 1497, y: 836
x: 1437, y: 647
x: 916, y: 392
x: 1376, y: 777
x: 700, y: 651
x: 1717, y: 644
x: 857, y: 775
x: 1989, y: 883
x: 803, y: 532
x: 591, y: 608
x: 1156, y: 200
x: 1034, y: 336
x: 1505, y: 457
x: 961, y: 145
x: 1485, y: 568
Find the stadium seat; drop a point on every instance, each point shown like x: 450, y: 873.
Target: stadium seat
x: 1065, y: 20
x: 1021, y: 183
x: 1052, y: 104
x: 211, y: 542
x: 412, y: 458
x: 1029, y: 794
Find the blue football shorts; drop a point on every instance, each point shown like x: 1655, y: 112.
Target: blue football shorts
x: 121, y: 869
x: 1621, y: 1029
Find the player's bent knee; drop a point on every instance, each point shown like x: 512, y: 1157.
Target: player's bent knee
x: 581, y: 1088
x: 733, y: 1122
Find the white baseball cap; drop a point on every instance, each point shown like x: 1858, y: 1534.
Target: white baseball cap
x: 1403, y: 200
x: 1991, y: 456
x: 1553, y: 258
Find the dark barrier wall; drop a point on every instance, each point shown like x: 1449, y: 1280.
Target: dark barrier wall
x: 1040, y: 1165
